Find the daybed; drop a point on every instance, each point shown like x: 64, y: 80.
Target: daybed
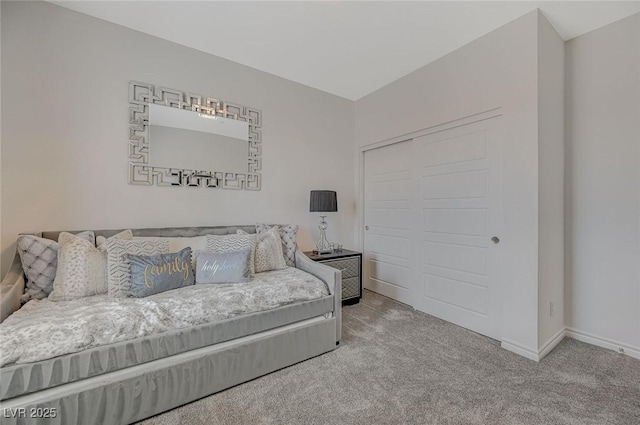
x: 130, y: 380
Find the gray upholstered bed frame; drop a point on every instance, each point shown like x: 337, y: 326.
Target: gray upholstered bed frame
x: 137, y: 392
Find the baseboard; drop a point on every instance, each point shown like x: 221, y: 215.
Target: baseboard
x: 514, y: 347
x: 581, y: 336
x: 536, y: 356
x: 551, y: 344
x: 616, y: 346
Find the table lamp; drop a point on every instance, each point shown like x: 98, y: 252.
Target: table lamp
x: 323, y: 201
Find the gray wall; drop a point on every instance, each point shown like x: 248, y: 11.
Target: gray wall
x: 499, y: 70
x: 603, y: 184
x: 65, y: 132
x: 550, y: 183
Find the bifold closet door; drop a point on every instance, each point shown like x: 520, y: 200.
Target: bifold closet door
x: 389, y: 221
x: 459, y: 197
x: 432, y: 217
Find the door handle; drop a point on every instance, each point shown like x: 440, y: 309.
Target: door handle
x: 495, y: 240
x: 366, y: 227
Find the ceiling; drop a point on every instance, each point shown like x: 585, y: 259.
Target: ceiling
x: 349, y: 49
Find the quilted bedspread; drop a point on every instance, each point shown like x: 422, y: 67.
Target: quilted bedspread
x: 43, y: 329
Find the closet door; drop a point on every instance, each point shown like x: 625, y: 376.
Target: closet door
x: 459, y: 200
x: 389, y: 221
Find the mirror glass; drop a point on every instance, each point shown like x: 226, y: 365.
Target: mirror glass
x: 180, y: 138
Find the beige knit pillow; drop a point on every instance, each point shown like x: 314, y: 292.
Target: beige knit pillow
x: 82, y: 268
x: 269, y: 254
x: 81, y: 271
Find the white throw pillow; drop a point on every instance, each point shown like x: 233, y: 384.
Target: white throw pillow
x: 269, y: 254
x: 100, y: 240
x: 288, y: 235
x: 118, y: 273
x: 228, y: 243
x: 177, y: 244
x: 82, y: 268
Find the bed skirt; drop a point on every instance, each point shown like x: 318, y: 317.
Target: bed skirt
x: 138, y: 392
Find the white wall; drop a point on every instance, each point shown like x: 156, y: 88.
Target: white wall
x: 1, y: 273
x: 64, y: 150
x: 497, y: 70
x: 550, y: 183
x: 65, y: 132
x: 603, y: 185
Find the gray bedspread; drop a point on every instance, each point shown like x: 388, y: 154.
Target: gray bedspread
x: 42, y: 329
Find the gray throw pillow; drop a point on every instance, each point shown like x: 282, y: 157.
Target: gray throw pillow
x: 223, y: 267
x: 288, y: 235
x: 39, y: 258
x: 158, y: 273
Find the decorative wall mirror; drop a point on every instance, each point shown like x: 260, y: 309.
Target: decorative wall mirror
x: 183, y: 139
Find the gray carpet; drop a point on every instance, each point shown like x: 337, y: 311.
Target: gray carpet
x: 398, y: 366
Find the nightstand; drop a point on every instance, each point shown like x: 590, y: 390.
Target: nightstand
x: 350, y: 262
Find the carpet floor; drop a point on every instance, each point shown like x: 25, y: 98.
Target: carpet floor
x: 399, y: 366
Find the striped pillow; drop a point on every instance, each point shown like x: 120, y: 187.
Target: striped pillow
x: 229, y: 243
x: 118, y: 266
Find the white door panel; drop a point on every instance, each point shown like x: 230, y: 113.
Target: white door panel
x: 459, y: 196
x: 471, y: 278
x: 456, y: 293
x: 385, y: 271
x: 468, y: 184
x: 431, y: 207
x: 389, y: 218
x: 465, y: 258
x: 470, y: 221
x: 392, y: 246
x: 389, y: 214
x: 390, y: 190
x: 450, y: 150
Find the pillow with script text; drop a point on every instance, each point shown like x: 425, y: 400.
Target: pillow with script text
x: 158, y: 273
x: 223, y: 267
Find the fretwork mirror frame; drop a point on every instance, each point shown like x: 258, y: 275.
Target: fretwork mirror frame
x: 143, y: 173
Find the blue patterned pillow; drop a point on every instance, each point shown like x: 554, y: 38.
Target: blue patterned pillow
x: 158, y: 273
x: 223, y: 267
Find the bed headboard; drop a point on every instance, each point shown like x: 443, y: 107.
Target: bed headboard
x: 166, y: 232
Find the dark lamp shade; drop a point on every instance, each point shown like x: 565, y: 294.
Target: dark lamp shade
x: 323, y: 201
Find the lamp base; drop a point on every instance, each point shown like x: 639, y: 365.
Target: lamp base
x: 323, y: 246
